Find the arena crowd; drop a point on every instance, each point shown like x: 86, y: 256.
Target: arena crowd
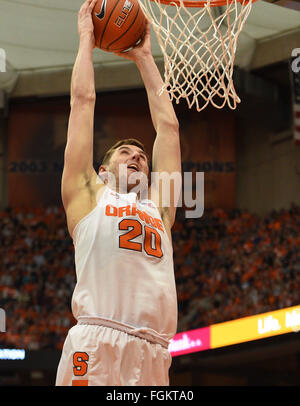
x: 228, y: 264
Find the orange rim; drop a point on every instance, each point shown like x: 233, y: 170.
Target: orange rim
x: 213, y: 3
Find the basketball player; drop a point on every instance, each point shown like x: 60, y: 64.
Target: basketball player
x: 125, y: 297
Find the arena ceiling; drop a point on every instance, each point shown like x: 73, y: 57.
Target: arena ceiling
x: 40, y: 41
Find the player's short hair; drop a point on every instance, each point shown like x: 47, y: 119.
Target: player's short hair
x: 128, y: 141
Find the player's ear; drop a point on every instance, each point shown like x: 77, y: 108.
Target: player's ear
x: 102, y: 168
x: 103, y: 173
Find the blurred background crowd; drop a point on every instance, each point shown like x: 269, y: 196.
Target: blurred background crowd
x: 228, y: 264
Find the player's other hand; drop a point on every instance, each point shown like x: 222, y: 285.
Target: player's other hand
x: 140, y: 51
x: 85, y: 21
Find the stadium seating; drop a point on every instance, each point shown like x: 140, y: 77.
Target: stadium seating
x: 228, y: 264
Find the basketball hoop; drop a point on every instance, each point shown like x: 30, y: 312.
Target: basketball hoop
x: 198, y: 40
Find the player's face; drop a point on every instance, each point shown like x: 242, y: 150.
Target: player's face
x: 132, y: 157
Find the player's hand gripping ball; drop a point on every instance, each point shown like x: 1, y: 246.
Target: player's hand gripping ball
x: 118, y: 24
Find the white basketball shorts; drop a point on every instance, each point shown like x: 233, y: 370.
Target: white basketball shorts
x: 96, y: 355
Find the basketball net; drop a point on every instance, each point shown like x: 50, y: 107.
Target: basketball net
x: 198, y: 41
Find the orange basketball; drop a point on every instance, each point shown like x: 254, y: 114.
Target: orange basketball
x: 118, y: 24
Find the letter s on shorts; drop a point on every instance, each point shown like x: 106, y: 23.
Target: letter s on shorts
x: 80, y: 363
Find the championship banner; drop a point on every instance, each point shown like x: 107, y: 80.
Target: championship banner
x: 38, y: 137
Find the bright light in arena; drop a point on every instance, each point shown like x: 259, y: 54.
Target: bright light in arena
x: 12, y: 354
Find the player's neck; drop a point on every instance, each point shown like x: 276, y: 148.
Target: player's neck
x: 142, y: 194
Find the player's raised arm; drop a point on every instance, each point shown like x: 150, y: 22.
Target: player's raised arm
x: 78, y: 162
x: 166, y: 155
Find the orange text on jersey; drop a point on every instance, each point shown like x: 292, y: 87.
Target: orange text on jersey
x: 131, y: 210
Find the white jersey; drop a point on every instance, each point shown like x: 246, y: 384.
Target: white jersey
x: 124, y: 265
